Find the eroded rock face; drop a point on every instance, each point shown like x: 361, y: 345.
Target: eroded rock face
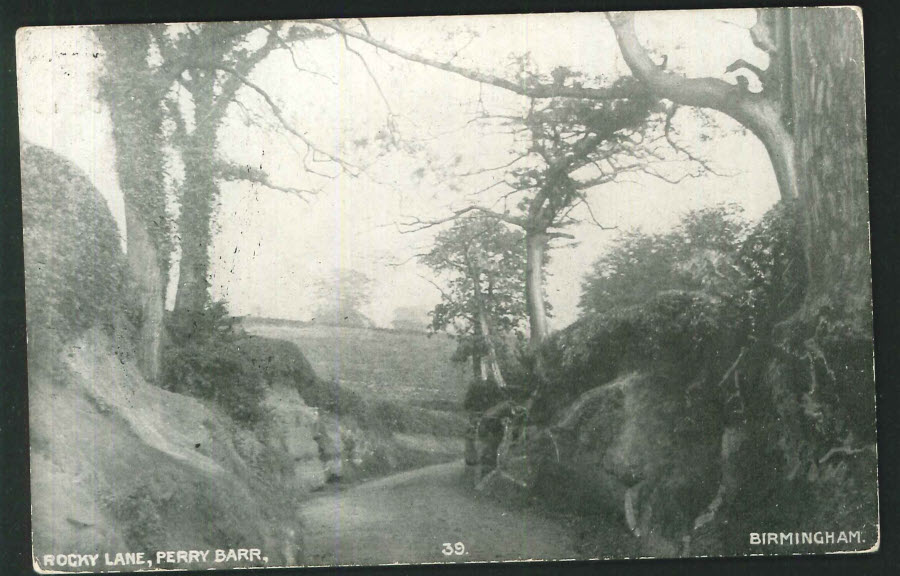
x: 293, y: 426
x: 344, y: 448
x: 119, y: 464
x: 630, y: 449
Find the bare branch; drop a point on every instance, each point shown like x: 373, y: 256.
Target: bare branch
x: 290, y: 50
x: 500, y: 167
x: 586, y: 204
x: 532, y: 89
x: 667, y: 132
x: 407, y: 261
x: 741, y: 63
x: 761, y: 113
x: 415, y: 224
x: 351, y: 169
x: 439, y: 289
x: 373, y: 78
x: 233, y: 173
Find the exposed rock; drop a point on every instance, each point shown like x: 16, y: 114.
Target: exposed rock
x: 621, y: 450
x: 293, y: 426
x: 118, y: 464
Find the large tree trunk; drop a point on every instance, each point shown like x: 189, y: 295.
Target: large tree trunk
x: 535, y: 245
x: 199, y: 195
x: 818, y: 397
x: 132, y: 93
x: 194, y: 229
x: 830, y: 133
x: 835, y: 322
x: 144, y: 263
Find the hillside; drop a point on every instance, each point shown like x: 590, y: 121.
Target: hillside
x: 119, y: 464
x: 395, y: 365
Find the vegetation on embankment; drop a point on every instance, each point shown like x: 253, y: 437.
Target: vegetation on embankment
x: 391, y: 398
x: 682, y: 403
x: 118, y: 463
x: 220, y: 451
x: 400, y: 365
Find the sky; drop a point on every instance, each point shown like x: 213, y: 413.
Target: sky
x: 272, y: 249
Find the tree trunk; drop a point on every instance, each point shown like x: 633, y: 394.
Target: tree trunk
x: 484, y: 331
x: 194, y: 230
x: 766, y: 124
x: 828, y: 372
x: 144, y: 263
x: 486, y: 335
x: 198, y: 198
x: 478, y: 371
x: 830, y: 133
x: 135, y: 105
x: 535, y: 245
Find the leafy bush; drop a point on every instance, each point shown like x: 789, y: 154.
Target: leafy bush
x: 683, y: 302
x: 75, y: 272
x: 203, y: 358
x: 699, y: 254
x: 209, y: 356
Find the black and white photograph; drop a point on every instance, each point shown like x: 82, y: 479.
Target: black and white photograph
x: 448, y: 289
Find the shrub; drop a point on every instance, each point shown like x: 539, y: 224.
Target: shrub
x: 75, y: 272
x: 680, y: 303
x: 203, y: 358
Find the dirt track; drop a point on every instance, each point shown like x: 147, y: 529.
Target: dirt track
x: 407, y: 518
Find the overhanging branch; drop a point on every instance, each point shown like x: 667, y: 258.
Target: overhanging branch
x: 232, y: 172
x: 701, y: 92
x: 415, y: 224
x: 531, y: 88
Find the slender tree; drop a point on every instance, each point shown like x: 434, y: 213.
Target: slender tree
x: 483, y: 303
x: 575, y: 146
x: 576, y: 125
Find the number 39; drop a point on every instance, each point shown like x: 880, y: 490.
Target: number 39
x: 457, y: 549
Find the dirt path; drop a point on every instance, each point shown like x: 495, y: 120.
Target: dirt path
x: 407, y: 517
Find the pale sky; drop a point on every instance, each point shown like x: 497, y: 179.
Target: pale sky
x: 271, y: 248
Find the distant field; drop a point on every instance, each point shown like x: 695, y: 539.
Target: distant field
x: 395, y: 365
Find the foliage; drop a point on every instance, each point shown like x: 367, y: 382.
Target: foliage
x: 132, y: 90
x: 75, y: 273
x: 685, y: 302
x: 203, y: 358
x: 717, y: 297
x: 342, y: 296
x: 571, y: 136
x: 209, y: 356
x: 772, y: 260
x: 701, y: 253
x: 484, y: 264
